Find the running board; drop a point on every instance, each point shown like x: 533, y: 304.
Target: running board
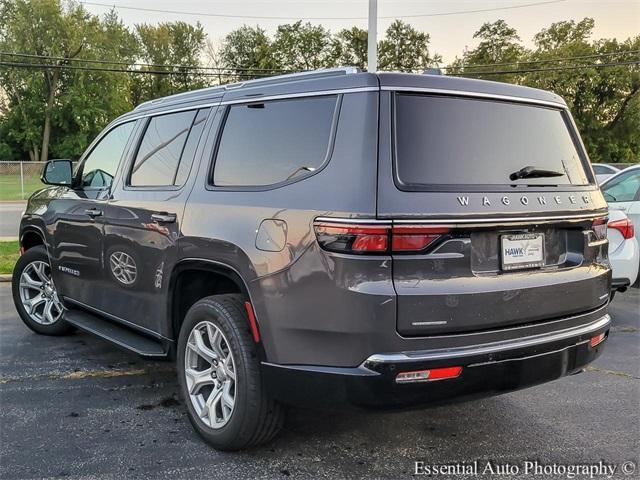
x: 120, y: 336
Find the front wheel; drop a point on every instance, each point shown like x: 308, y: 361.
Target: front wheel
x: 35, y: 295
x: 220, y: 379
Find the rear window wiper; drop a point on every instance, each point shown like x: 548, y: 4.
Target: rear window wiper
x: 534, y: 172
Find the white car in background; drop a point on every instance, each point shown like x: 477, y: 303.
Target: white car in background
x: 624, y: 252
x: 603, y: 171
x: 622, y: 192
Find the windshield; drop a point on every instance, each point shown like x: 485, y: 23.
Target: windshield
x: 445, y: 140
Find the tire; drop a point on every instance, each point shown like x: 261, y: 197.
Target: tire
x: 254, y: 417
x: 46, y: 316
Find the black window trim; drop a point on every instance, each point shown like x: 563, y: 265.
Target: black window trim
x: 126, y: 184
x: 263, y: 188
x: 490, y: 188
x: 77, y: 178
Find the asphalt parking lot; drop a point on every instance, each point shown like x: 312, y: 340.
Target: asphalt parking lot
x: 76, y: 407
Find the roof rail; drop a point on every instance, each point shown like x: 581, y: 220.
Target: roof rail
x: 432, y: 71
x: 321, y: 72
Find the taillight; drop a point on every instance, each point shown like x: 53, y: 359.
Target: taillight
x: 375, y: 238
x: 599, y: 228
x: 413, y: 238
x: 624, y: 226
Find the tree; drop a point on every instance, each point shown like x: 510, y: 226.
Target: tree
x: 499, y: 44
x: 247, y: 48
x: 299, y: 46
x: 604, y: 101
x: 169, y: 43
x: 350, y: 47
x: 405, y: 49
x: 54, y: 109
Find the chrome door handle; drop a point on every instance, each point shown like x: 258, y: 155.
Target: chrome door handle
x: 93, y: 212
x: 163, y: 217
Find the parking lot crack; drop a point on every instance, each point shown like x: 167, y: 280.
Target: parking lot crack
x: 611, y: 372
x: 82, y: 374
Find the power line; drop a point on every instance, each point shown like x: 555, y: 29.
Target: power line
x: 532, y: 62
x: 137, y: 64
x: 279, y: 70
x: 121, y: 70
x: 260, y: 74
x: 550, y: 69
x: 267, y: 17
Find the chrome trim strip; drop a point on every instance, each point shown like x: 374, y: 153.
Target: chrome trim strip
x: 500, y: 220
x: 284, y: 96
x: 447, y: 222
x: 157, y: 113
x: 352, y: 220
x: 442, y: 354
x: 466, y: 93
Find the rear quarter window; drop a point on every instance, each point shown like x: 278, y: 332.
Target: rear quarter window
x: 448, y: 140
x: 268, y: 143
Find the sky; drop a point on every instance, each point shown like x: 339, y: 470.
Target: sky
x: 450, y: 34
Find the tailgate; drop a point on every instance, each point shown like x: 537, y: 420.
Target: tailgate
x: 461, y: 284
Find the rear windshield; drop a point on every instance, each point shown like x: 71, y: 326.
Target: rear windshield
x: 462, y: 141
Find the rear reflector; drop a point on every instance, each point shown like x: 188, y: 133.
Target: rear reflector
x: 375, y: 238
x: 624, y: 226
x: 253, y: 324
x: 597, y: 340
x: 428, y: 375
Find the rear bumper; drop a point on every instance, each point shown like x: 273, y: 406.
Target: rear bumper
x: 488, y: 369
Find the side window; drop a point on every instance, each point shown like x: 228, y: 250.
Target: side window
x: 159, y: 153
x: 101, y: 164
x: 190, y: 147
x: 623, y: 188
x: 272, y: 142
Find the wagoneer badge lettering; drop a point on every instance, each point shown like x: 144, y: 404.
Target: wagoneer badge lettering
x: 524, y: 200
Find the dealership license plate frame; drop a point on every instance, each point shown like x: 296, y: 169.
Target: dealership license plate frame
x: 525, y: 241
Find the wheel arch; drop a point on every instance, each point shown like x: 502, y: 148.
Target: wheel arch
x: 207, y: 277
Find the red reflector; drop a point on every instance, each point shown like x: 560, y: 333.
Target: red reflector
x: 597, y: 340
x: 428, y: 375
x: 624, y: 226
x: 253, y: 324
x: 21, y: 250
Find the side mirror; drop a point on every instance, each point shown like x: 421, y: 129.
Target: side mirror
x: 58, y: 172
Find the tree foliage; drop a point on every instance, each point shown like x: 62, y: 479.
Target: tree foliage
x: 55, y: 111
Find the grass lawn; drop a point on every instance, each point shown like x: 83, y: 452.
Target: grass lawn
x: 10, y: 187
x: 9, y: 253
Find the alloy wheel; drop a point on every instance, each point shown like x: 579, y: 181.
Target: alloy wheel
x: 210, y: 374
x: 38, y: 294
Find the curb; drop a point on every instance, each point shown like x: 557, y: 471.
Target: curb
x: 5, y: 278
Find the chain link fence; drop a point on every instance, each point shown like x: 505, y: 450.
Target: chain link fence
x: 18, y: 180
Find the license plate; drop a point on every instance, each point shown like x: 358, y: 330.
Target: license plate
x: 525, y: 250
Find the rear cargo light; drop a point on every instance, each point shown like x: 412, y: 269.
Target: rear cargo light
x: 375, y: 238
x: 428, y: 375
x: 597, y: 340
x: 624, y: 226
x: 599, y: 227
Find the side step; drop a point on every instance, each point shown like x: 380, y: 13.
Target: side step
x: 119, y: 335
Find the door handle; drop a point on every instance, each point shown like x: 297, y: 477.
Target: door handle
x: 163, y: 217
x: 93, y: 212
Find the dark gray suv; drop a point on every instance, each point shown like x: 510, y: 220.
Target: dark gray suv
x: 328, y: 238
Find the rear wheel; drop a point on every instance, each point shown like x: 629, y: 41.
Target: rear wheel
x: 220, y: 379
x: 35, y: 295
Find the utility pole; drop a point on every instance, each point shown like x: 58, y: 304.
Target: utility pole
x: 372, y: 39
